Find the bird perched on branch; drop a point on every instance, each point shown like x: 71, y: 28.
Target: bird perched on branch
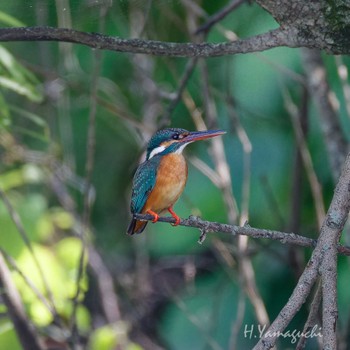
x: 160, y: 180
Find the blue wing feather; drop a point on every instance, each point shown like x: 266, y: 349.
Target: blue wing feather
x: 143, y: 183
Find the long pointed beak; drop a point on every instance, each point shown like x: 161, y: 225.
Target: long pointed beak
x: 202, y: 135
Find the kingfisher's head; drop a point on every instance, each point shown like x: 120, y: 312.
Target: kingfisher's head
x: 174, y: 140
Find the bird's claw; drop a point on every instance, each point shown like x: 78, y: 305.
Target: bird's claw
x: 177, y: 221
x: 176, y: 217
x: 155, y: 215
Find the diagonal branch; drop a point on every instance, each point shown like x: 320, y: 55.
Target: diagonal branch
x: 323, y: 261
x: 212, y: 226
x: 217, y: 17
x: 24, y: 328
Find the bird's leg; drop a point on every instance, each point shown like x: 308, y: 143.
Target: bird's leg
x: 155, y: 215
x: 173, y: 214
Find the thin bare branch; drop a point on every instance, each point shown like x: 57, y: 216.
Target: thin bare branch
x: 323, y: 261
x: 88, y: 199
x: 265, y: 41
x: 343, y: 74
x: 12, y: 263
x: 18, y: 223
x: 220, y: 15
x: 307, y: 160
x: 312, y: 317
x: 237, y: 323
x: 212, y: 226
x: 334, y: 138
x: 104, y: 279
x: 190, y: 66
x: 24, y: 328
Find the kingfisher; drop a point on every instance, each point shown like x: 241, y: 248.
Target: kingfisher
x: 161, y: 178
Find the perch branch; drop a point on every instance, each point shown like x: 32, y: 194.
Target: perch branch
x: 212, y: 226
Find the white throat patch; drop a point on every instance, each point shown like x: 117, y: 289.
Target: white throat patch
x: 179, y: 151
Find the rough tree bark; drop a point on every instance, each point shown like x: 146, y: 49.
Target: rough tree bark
x: 322, y: 24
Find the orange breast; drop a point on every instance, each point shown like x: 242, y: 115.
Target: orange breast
x: 170, y: 182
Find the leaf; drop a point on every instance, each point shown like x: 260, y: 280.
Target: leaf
x: 111, y: 337
x: 36, y: 119
x: 16, y: 77
x: 68, y: 250
x: 30, y: 209
x: 10, y: 20
x: 28, y: 174
x: 8, y: 337
x: 16, y: 86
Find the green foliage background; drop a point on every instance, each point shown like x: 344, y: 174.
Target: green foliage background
x: 45, y: 99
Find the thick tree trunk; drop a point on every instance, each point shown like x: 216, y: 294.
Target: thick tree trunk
x: 322, y: 24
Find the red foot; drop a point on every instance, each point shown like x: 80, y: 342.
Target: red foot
x: 173, y: 214
x: 155, y: 215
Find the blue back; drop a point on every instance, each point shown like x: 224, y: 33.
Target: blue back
x: 143, y: 183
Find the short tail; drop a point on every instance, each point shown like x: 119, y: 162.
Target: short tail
x: 136, y: 226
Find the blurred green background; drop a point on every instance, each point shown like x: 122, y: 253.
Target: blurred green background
x: 171, y: 290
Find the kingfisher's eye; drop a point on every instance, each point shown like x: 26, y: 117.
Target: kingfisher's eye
x: 178, y: 136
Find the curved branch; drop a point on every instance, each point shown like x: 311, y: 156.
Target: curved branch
x: 25, y: 330
x: 274, y: 38
x: 212, y: 226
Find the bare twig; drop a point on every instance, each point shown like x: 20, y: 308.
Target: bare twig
x: 296, y: 191
x: 212, y: 226
x: 247, y: 150
x: 218, y: 150
x: 217, y: 17
x: 18, y: 223
x: 296, y: 257
x: 206, y: 170
x: 104, y: 279
x: 312, y: 317
x: 237, y: 323
x: 24, y: 329
x: 265, y: 41
x: 307, y: 160
x: 109, y: 300
x: 190, y: 66
x: 323, y: 261
x: 88, y: 199
x: 334, y: 138
x: 245, y: 264
x: 12, y: 263
x: 343, y: 74
x: 272, y: 201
